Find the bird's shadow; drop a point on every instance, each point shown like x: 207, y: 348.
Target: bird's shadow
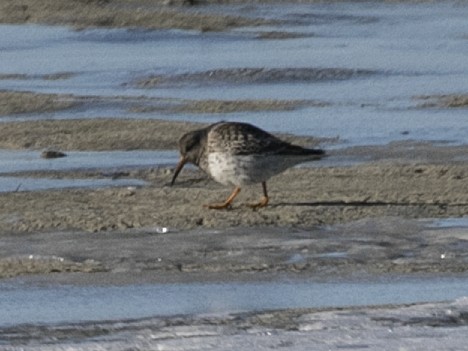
x: 354, y: 203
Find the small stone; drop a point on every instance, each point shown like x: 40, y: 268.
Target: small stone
x: 52, y: 154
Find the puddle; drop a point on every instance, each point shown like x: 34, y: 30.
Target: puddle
x: 415, y: 50
x: 21, y: 161
x: 14, y: 184
x: 27, y: 303
x: 239, y: 76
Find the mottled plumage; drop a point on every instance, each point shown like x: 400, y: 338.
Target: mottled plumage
x: 240, y: 154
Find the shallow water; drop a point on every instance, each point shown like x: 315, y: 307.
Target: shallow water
x: 22, y: 302
x: 20, y: 161
x: 14, y: 184
x: 23, y: 161
x: 415, y: 49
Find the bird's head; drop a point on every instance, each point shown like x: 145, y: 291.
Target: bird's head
x: 190, y: 147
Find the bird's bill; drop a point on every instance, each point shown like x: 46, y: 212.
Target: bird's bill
x: 178, y: 168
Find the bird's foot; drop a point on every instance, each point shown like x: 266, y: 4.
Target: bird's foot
x: 263, y: 202
x: 226, y: 204
x: 223, y: 206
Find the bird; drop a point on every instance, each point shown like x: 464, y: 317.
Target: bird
x: 239, y: 154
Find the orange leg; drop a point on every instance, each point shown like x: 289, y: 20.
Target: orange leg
x: 226, y: 203
x: 264, y: 200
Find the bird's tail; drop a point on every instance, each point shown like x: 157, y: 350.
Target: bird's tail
x: 312, y: 154
x: 315, y: 154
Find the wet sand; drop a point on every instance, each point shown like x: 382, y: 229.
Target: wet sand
x: 444, y: 101
x: 299, y: 197
x: 367, y: 247
x: 236, y: 76
x: 120, y: 13
x: 160, y: 14
x: 12, y: 102
x: 20, y: 104
x: 104, y: 134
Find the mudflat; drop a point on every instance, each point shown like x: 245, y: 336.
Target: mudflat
x: 299, y: 197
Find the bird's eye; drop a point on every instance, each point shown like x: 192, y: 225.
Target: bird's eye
x: 188, y: 143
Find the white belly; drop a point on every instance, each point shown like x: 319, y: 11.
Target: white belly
x: 241, y: 170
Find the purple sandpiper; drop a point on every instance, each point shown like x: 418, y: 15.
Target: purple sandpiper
x: 239, y: 154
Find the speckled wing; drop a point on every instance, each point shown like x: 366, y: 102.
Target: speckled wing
x: 246, y: 139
